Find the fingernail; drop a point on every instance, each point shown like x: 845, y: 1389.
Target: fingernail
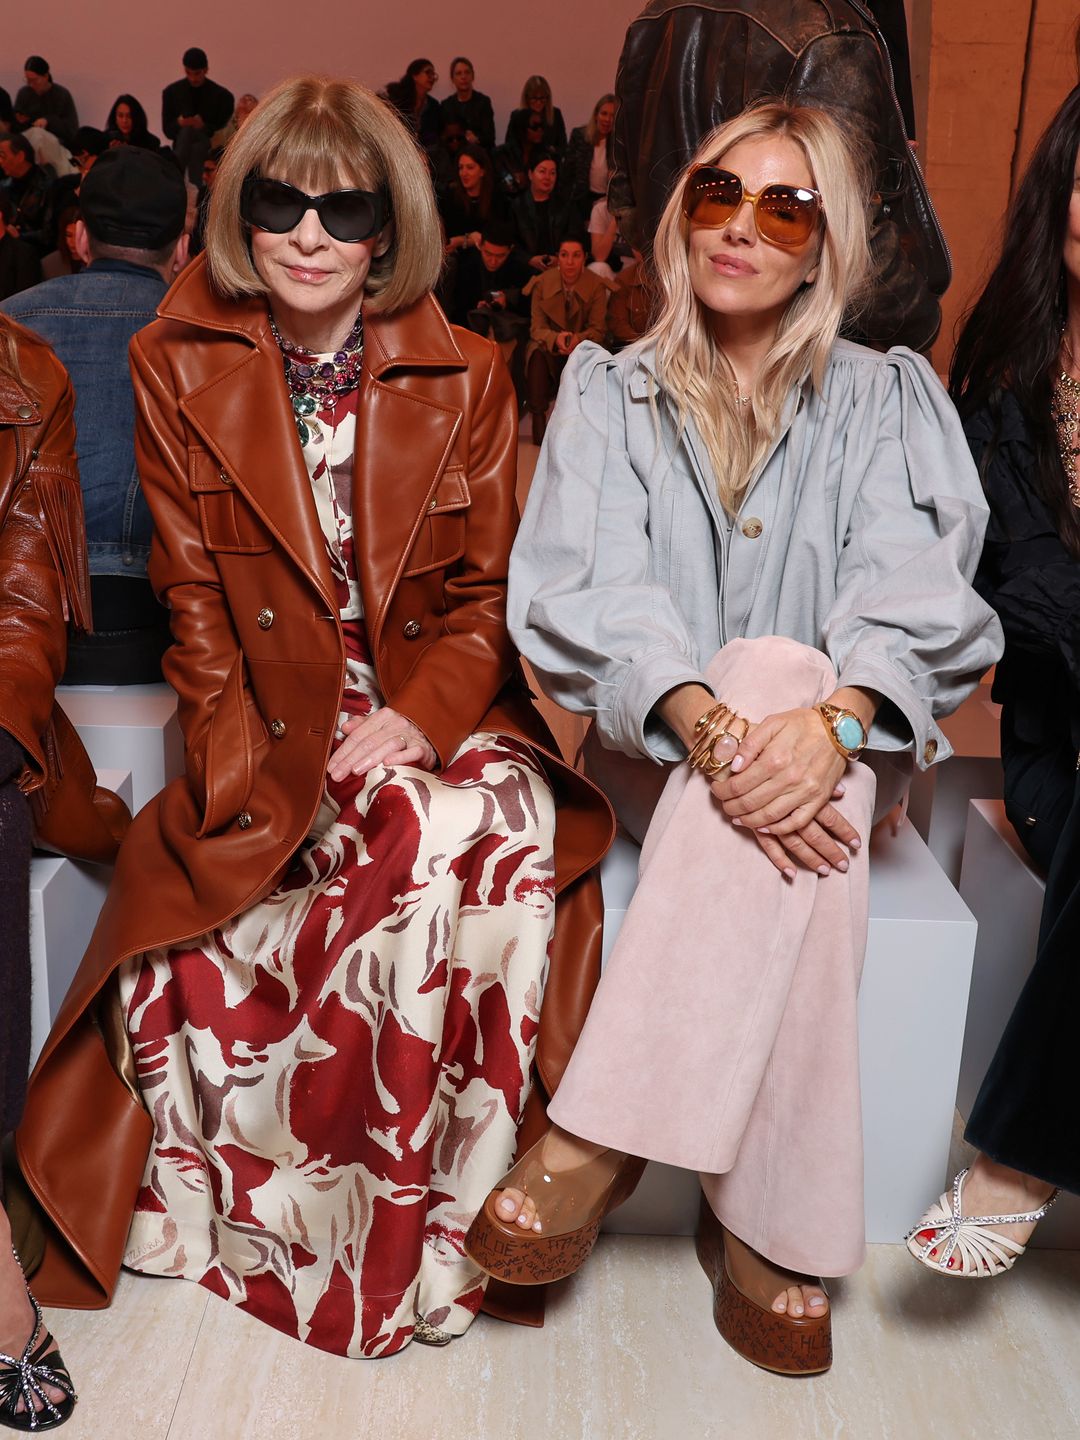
x: 764, y: 830
x: 823, y: 869
x: 789, y: 874
x: 737, y: 822
x: 854, y: 844
x: 841, y: 790
x: 842, y: 866
x: 737, y: 764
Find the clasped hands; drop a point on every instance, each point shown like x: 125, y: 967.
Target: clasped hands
x: 781, y: 786
x: 382, y: 738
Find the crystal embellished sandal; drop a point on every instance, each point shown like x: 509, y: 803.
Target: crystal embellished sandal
x: 571, y: 1204
x: 24, y: 1380
x: 981, y: 1252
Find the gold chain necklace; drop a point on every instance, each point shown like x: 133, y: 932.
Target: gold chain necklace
x: 1065, y: 413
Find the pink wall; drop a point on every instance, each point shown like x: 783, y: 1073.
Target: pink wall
x: 100, y: 49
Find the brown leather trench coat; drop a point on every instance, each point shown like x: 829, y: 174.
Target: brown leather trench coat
x: 258, y: 663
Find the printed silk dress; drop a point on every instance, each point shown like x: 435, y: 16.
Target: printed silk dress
x: 336, y: 1075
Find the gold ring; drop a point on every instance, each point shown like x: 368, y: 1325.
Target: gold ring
x: 404, y: 742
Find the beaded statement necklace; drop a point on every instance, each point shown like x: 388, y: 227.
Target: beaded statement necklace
x: 315, y: 383
x: 1065, y: 413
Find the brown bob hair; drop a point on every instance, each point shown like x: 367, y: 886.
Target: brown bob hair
x: 319, y: 133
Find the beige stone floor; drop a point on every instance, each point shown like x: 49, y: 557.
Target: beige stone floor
x: 628, y: 1353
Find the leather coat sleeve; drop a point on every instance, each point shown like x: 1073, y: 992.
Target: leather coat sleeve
x: 205, y: 648
x: 33, y: 627
x: 848, y: 74
x: 474, y: 639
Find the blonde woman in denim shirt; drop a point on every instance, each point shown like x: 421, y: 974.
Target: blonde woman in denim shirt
x: 748, y: 543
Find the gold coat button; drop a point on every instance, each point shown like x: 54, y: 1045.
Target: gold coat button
x: 930, y: 751
x: 243, y: 820
x: 225, y: 479
x: 434, y: 503
x: 25, y: 412
x: 277, y: 728
x: 411, y: 629
x: 752, y: 527
x: 265, y: 618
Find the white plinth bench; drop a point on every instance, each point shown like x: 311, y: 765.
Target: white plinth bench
x: 129, y: 727
x: 65, y: 900
x: 920, y: 949
x: 939, y: 797
x: 1004, y: 891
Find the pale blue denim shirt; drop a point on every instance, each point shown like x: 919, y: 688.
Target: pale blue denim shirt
x: 88, y: 319
x: 859, y: 535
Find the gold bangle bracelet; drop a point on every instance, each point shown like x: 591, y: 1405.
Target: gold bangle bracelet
x: 716, y: 724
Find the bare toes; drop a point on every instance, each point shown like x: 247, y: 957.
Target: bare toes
x: 509, y: 1204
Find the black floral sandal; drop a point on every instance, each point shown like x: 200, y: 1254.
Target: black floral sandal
x: 23, y: 1382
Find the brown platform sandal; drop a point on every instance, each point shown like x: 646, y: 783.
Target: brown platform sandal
x: 744, y: 1287
x: 571, y: 1204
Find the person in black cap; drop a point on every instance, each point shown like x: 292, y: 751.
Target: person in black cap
x: 50, y: 103
x: 133, y: 206
x: 192, y: 110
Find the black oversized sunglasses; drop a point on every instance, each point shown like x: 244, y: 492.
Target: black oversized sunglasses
x: 349, y: 215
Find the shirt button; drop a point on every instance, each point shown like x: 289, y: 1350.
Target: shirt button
x: 25, y: 412
x: 752, y: 527
x: 411, y: 629
x: 929, y: 753
x: 277, y: 728
x: 265, y: 618
x: 243, y: 820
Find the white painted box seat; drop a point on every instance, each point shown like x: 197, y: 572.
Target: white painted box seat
x: 921, y: 943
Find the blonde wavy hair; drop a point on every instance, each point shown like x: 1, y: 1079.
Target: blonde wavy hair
x: 320, y: 133
x: 691, y: 366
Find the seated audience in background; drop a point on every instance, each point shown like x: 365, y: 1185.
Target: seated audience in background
x: 411, y: 97
x: 630, y: 304
x: 489, y: 298
x: 471, y: 200
x: 30, y: 188
x: 587, y: 165
x: 202, y: 199
x: 607, y: 249
x: 443, y: 157
x: 192, y: 111
x: 467, y: 106
x: 569, y: 305
x: 536, y: 100
x: 89, y: 144
x: 1016, y: 382
x: 128, y: 119
x: 7, y: 112
x: 50, y: 152
x: 514, y: 160
x: 65, y: 259
x: 53, y: 106
x: 133, y: 204
x: 20, y: 264
x: 540, y: 216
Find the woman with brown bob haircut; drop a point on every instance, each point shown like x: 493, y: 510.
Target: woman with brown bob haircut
x: 330, y: 936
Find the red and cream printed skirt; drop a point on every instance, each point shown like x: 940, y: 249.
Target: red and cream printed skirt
x: 336, y: 1075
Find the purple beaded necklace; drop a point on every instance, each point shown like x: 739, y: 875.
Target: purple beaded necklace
x: 315, y: 383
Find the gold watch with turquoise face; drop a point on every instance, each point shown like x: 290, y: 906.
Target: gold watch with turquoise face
x: 844, y: 729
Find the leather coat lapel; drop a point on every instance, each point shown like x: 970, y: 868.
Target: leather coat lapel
x: 244, y: 415
x: 403, y: 440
